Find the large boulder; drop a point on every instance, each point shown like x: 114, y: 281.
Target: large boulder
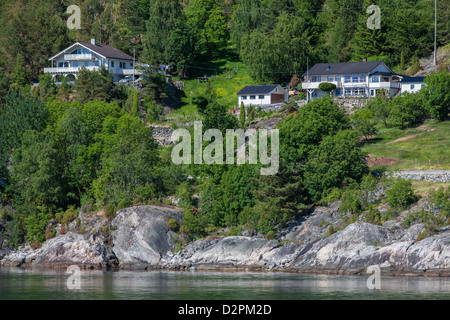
x: 141, y: 237
x: 71, y: 249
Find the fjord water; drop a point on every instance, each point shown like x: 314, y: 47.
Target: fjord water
x: 19, y: 284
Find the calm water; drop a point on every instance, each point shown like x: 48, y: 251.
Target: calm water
x: 99, y: 285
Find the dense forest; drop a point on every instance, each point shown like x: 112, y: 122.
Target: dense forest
x: 88, y: 145
x: 273, y: 37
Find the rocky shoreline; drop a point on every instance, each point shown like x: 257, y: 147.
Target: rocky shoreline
x: 139, y: 239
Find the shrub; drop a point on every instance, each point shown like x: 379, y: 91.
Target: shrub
x: 351, y: 202
x: 50, y: 233
x: 4, y: 215
x: 271, y: 235
x: 401, y: 194
x: 173, y: 225
x: 374, y: 216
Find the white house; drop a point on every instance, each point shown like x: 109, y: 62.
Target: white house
x: 91, y: 55
x: 352, y: 79
x: 412, y: 84
x: 262, y: 95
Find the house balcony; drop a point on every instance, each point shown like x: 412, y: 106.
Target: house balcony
x: 79, y: 57
x: 384, y: 85
x: 68, y: 70
x: 315, y: 85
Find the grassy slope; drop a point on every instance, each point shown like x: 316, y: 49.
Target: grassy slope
x: 422, y: 151
x: 225, y: 88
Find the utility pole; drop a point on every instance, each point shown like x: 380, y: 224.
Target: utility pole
x: 435, y: 32
x: 134, y: 68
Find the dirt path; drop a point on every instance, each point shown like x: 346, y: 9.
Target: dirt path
x: 402, y: 139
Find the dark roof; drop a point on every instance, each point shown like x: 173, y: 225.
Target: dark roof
x: 261, y: 89
x: 323, y: 69
x: 107, y: 51
x: 412, y: 79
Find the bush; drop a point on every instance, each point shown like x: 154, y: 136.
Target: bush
x: 271, y: 235
x: 173, y: 225
x: 351, y: 202
x: 401, y: 194
x: 50, y: 233
x: 374, y: 217
x: 67, y: 216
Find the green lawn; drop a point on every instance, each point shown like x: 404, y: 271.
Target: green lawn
x: 419, y: 149
x: 227, y: 76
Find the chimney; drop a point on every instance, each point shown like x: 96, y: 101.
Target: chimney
x: 93, y: 41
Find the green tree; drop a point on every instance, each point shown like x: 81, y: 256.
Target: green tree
x: 327, y: 87
x: 242, y: 115
x: 363, y: 122
x: 337, y: 158
x: 21, y: 112
x: 407, y: 110
x: 300, y: 134
x: 401, y: 194
x: 127, y: 163
x: 437, y: 94
x: 162, y: 21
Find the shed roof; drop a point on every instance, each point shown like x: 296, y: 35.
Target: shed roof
x: 260, y: 89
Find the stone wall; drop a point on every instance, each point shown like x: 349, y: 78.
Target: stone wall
x: 433, y: 176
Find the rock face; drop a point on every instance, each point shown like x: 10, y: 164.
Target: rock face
x: 141, y: 238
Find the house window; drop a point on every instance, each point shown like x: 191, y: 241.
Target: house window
x: 86, y: 63
x: 338, y: 92
x: 97, y: 63
x: 112, y: 64
x: 338, y: 78
x: 362, y: 78
x: 75, y: 64
x: 261, y: 97
x: 60, y: 65
x: 330, y: 78
x: 319, y: 79
x: 372, y: 93
x: 347, y: 79
x: 412, y: 87
x: 314, y: 79
x: 244, y: 98
x: 314, y: 94
x: 355, y: 78
x: 252, y: 97
x: 376, y: 79
x: 131, y: 65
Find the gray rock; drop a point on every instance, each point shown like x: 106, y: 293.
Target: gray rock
x: 71, y: 249
x: 141, y: 237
